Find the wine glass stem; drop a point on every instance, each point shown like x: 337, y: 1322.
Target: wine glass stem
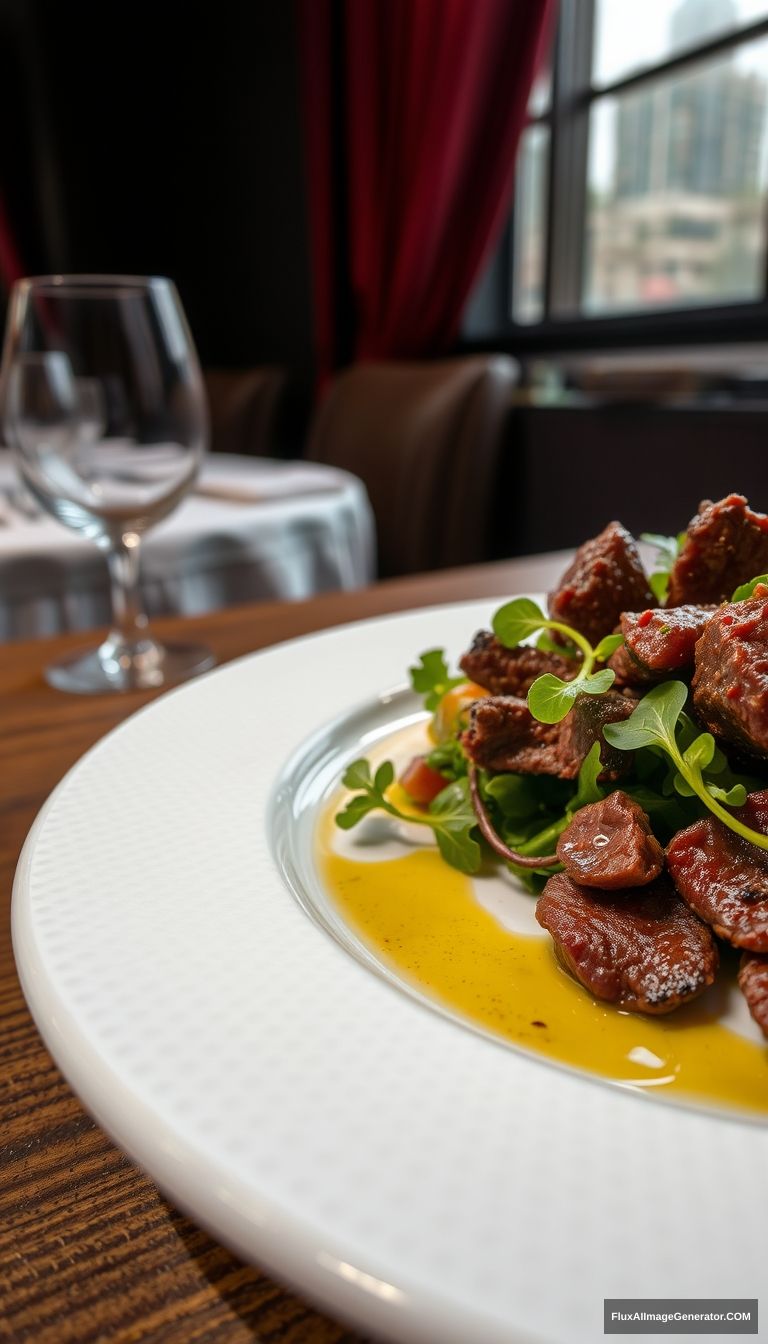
x: 129, y: 624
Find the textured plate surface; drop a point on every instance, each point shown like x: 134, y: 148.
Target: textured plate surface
x: 410, y: 1176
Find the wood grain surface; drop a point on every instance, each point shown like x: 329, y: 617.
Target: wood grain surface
x: 89, y: 1248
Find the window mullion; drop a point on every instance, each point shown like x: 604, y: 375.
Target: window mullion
x: 568, y: 172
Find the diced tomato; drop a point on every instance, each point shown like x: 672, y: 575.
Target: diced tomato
x: 421, y: 782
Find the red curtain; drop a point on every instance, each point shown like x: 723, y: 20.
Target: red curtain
x: 418, y: 179
x: 11, y: 268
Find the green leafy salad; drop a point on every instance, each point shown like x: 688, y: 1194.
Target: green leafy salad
x: 677, y: 773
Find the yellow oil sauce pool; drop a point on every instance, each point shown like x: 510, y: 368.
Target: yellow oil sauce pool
x: 422, y: 920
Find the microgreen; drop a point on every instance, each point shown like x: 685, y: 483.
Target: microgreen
x: 667, y: 551
x: 450, y: 816
x: 430, y: 678
x: 448, y: 759
x: 550, y: 697
x: 746, y: 590
x: 654, y: 724
x: 587, y: 788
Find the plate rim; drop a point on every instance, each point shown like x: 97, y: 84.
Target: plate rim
x: 297, y: 1248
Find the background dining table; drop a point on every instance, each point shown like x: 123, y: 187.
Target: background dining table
x: 249, y: 530
x: 89, y: 1248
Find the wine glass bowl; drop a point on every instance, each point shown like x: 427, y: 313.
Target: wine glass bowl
x: 104, y: 411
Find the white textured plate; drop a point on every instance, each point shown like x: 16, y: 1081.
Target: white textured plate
x: 408, y: 1175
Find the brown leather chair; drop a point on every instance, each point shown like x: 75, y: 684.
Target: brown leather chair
x: 425, y: 438
x: 260, y: 411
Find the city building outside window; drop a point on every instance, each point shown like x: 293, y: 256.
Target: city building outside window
x: 642, y: 174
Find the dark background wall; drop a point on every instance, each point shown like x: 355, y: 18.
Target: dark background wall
x: 164, y: 138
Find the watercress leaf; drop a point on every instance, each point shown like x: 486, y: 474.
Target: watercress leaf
x: 653, y: 722
x: 550, y: 698
x: 384, y: 777
x: 687, y: 731
x: 516, y: 620
x: 699, y: 754
x: 455, y: 821
x: 545, y: 840
x: 587, y: 788
x: 658, y: 583
x: 608, y: 645
x: 745, y: 590
x: 454, y: 804
x: 667, y: 551
x: 718, y: 763
x: 355, y: 810
x: 667, y: 815
x: 357, y: 776
x: 448, y: 759
x: 682, y: 786
x: 597, y: 682
x: 515, y: 799
x: 736, y: 796
x: 459, y: 849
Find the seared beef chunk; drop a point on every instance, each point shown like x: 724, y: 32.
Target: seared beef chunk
x: 630, y: 677
x: 610, y: 845
x: 658, y: 644
x: 724, y: 878
x: 643, y: 950
x: 605, y: 578
x: 584, y: 726
x: 753, y: 983
x: 731, y: 680
x: 726, y: 544
x: 505, y: 671
x: 503, y: 735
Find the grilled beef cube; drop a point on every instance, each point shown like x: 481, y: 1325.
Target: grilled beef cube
x: 658, y: 643
x: 726, y: 544
x: 642, y: 950
x: 610, y: 845
x: 630, y: 676
x: 730, y: 684
x: 504, y: 671
x: 583, y: 726
x: 725, y: 878
x: 753, y: 983
x: 503, y: 735
x: 605, y: 578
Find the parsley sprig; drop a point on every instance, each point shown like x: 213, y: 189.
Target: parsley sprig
x: 430, y: 678
x: 667, y: 551
x: 655, y: 723
x: 450, y: 815
x: 550, y: 698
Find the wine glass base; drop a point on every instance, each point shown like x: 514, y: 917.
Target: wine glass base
x: 112, y: 668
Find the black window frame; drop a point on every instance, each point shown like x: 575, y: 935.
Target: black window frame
x: 567, y: 118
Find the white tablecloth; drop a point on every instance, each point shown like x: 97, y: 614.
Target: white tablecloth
x: 295, y: 529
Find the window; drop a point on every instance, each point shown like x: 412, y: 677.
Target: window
x: 642, y: 174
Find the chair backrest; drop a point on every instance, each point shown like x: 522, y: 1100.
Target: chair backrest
x: 253, y: 411
x: 425, y: 438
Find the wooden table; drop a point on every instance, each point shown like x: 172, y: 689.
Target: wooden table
x: 89, y: 1249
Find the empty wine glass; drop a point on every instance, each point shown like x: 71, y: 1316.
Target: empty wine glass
x: 104, y: 411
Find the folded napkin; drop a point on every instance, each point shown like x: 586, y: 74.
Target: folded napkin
x: 263, y: 484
